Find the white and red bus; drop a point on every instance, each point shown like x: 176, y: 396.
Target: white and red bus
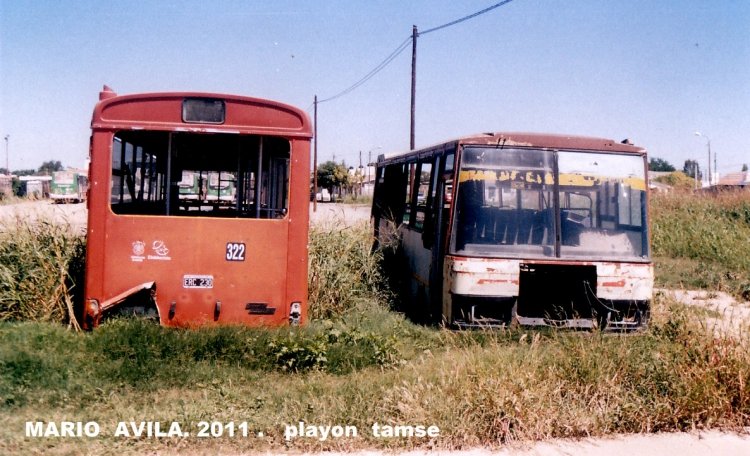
x: 152, y: 247
x: 502, y: 227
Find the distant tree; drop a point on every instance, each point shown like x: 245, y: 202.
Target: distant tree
x: 332, y: 175
x: 659, y: 164
x: 692, y: 169
x: 51, y: 166
x: 24, y: 172
x: 744, y: 167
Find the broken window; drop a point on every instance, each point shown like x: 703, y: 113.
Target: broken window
x: 200, y: 175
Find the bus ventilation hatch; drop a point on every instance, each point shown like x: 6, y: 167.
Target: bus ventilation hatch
x: 556, y: 292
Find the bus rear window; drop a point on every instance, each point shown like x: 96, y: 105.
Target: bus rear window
x: 198, y: 175
x: 203, y: 110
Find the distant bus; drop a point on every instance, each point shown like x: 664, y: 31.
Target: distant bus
x: 156, y: 245
x: 68, y: 186
x: 221, y: 188
x: 191, y: 186
x: 531, y: 229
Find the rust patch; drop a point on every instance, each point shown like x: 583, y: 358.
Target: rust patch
x: 487, y: 281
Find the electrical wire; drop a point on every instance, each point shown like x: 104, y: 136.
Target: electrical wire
x: 466, y: 18
x: 401, y: 47
x: 373, y: 72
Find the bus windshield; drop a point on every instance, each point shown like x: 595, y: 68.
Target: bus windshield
x: 548, y: 204
x: 63, y: 177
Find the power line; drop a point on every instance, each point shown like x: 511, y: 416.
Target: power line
x: 373, y: 72
x: 401, y: 47
x: 466, y: 18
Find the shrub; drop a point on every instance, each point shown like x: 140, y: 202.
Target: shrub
x: 40, y: 266
x: 711, y: 230
x: 343, y: 270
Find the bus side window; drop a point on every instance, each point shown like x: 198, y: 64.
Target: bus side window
x: 448, y: 177
x: 409, y: 170
x: 424, y: 191
x: 390, y: 193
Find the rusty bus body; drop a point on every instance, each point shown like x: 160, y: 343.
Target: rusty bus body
x: 516, y: 227
x: 243, y: 261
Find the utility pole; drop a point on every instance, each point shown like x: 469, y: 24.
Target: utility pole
x: 414, y: 35
x: 695, y: 175
x: 708, y: 143
x: 7, y: 166
x: 709, y: 163
x: 315, y: 155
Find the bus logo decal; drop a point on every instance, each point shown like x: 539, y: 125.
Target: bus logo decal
x: 161, y: 251
x: 139, y: 248
x: 160, y: 248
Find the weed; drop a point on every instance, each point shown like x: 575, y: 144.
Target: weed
x: 39, y: 265
x: 701, y: 241
x: 343, y: 270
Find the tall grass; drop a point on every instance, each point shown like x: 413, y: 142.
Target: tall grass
x: 41, y: 266
x: 699, y: 241
x: 710, y: 231
x: 344, y: 270
x: 479, y: 388
x: 358, y: 363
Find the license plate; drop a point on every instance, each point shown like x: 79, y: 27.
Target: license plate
x: 197, y: 281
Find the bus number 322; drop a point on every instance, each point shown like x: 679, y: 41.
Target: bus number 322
x: 235, y: 251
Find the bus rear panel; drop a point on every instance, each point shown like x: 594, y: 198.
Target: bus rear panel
x: 198, y: 210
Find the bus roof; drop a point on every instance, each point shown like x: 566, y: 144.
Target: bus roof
x: 163, y: 111
x: 520, y: 139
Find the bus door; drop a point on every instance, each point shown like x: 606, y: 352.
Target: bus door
x: 419, y: 237
x: 435, y: 230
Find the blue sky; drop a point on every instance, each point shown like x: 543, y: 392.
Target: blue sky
x: 652, y: 71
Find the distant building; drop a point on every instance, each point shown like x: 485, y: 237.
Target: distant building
x: 735, y: 181
x: 35, y: 186
x: 6, y: 186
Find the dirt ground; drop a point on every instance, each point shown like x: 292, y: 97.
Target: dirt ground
x: 712, y: 443
x: 327, y: 214
x: 732, y: 316
x: 73, y: 214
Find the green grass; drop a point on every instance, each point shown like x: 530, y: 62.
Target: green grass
x: 702, y: 241
x: 479, y: 387
x: 343, y: 271
x: 358, y: 363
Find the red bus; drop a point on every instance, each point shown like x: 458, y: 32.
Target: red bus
x: 515, y: 227
x: 238, y: 259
